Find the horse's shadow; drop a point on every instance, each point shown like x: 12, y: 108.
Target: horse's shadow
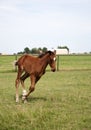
x: 34, y: 99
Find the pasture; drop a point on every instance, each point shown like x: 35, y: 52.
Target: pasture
x: 61, y: 100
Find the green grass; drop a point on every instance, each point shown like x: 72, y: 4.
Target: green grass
x: 76, y: 62
x: 61, y: 100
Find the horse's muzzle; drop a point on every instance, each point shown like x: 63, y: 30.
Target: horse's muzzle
x: 53, y: 69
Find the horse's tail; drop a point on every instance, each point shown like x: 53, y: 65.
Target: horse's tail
x: 16, y: 63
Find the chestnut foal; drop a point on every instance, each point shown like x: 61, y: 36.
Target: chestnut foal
x: 33, y: 67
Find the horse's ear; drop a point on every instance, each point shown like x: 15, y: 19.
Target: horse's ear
x: 50, y: 52
x: 55, y: 52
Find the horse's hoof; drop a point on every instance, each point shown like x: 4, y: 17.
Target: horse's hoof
x: 17, y: 100
x: 25, y: 101
x: 23, y: 97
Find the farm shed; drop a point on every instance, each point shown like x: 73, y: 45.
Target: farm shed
x: 63, y: 51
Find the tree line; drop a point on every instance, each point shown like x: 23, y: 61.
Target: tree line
x: 39, y: 50
x: 33, y: 50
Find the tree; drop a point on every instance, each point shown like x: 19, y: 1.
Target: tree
x: 34, y: 51
x: 44, y: 49
x: 63, y: 47
x: 27, y: 50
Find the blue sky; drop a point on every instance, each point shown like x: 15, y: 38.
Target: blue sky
x: 45, y: 23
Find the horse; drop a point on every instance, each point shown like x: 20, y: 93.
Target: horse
x: 33, y: 67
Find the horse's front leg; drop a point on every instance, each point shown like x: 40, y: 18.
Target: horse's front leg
x: 34, y: 80
x: 32, y: 87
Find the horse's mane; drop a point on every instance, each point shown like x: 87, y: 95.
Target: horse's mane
x: 43, y: 54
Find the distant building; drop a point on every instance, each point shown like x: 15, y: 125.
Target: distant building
x: 62, y: 51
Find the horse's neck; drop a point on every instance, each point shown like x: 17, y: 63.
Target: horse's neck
x: 45, y: 61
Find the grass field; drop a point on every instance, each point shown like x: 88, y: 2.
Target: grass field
x: 61, y: 100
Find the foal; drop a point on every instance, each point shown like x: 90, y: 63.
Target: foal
x: 33, y: 67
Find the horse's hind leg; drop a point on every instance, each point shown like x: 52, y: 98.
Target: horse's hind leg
x: 17, y: 81
x: 22, y: 79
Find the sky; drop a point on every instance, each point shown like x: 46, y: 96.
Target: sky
x: 45, y: 23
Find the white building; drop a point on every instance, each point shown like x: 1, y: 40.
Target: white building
x: 62, y: 51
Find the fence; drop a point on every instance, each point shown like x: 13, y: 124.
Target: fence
x: 64, y: 62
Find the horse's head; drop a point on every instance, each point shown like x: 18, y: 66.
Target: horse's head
x: 52, y: 61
